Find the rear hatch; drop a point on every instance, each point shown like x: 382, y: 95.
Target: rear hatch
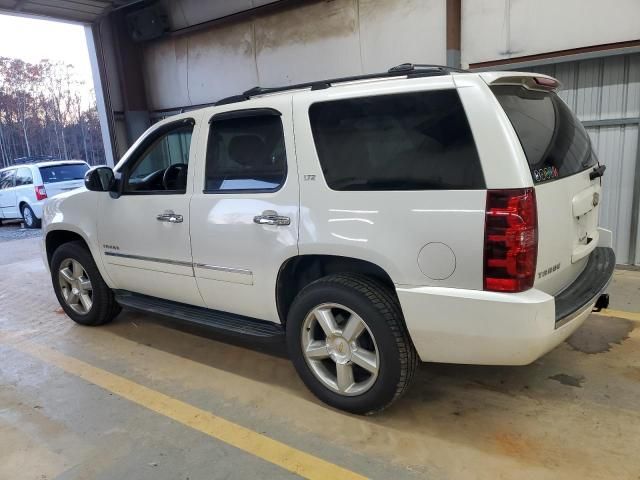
x: 565, y: 174
x: 63, y: 177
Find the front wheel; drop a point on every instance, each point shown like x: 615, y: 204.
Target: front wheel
x: 81, y: 291
x: 347, y: 339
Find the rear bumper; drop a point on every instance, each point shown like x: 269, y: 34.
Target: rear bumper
x: 586, y: 289
x: 488, y: 328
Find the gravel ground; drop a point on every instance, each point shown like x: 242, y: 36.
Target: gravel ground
x: 11, y: 231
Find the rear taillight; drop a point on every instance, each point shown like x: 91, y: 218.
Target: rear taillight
x: 41, y: 193
x: 548, y: 83
x: 510, y: 240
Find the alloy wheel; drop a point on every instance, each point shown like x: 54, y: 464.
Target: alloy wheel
x: 340, y: 349
x: 28, y: 216
x: 75, y: 286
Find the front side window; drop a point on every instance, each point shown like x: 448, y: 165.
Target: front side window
x: 63, y: 173
x: 246, y: 153
x: 24, y: 177
x: 6, y: 179
x: 410, y: 141
x: 163, y: 164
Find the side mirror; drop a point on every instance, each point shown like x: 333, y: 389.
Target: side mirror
x: 99, y: 179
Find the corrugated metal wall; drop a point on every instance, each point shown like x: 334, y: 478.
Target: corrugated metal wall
x: 605, y: 93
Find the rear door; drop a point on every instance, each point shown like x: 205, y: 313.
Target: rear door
x: 63, y: 177
x: 8, y: 194
x: 244, y: 211
x: 562, y: 163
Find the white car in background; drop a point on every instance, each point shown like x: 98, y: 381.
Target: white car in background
x: 25, y: 187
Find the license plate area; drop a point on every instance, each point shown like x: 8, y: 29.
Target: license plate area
x: 585, y: 221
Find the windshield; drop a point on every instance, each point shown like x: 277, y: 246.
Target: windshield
x: 554, y: 141
x: 63, y: 173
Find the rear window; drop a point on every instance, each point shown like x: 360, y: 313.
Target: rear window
x: 63, y: 173
x: 554, y: 141
x: 412, y: 141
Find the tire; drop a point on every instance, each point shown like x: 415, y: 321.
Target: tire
x: 29, y: 218
x: 103, y: 307
x: 384, y: 338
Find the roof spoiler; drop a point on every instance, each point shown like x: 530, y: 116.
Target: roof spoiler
x: 530, y: 81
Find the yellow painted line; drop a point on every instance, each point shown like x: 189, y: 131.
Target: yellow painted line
x: 261, y: 446
x: 633, y: 316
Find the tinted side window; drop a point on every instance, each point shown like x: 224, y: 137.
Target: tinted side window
x: 246, y: 153
x: 412, y: 141
x: 163, y: 164
x: 24, y: 177
x: 6, y: 179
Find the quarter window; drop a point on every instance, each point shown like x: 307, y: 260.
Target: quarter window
x: 6, y: 179
x: 163, y: 164
x: 412, y: 141
x: 24, y: 177
x: 246, y: 153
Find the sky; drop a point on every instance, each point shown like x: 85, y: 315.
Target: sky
x: 33, y: 39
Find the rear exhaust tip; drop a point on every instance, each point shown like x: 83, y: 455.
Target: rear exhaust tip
x: 602, y: 302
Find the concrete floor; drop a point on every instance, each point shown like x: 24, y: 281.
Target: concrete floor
x: 575, y: 413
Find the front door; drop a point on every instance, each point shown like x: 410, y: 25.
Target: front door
x: 144, y: 232
x: 244, y: 209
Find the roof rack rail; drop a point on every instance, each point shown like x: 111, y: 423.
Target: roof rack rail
x: 409, y: 70
x: 423, y: 67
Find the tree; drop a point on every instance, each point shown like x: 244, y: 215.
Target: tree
x: 45, y: 110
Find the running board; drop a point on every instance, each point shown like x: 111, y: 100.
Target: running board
x: 226, y: 323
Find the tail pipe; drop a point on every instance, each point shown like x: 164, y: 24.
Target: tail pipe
x: 602, y: 302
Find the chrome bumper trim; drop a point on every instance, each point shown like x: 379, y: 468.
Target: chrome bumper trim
x: 149, y: 259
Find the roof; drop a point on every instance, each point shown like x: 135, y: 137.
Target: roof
x: 407, y: 70
x: 85, y: 11
x: 45, y: 164
x: 60, y: 162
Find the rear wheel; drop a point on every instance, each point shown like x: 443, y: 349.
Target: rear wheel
x: 29, y: 218
x: 81, y: 291
x: 347, y: 340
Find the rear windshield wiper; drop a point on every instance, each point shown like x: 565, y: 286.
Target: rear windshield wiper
x: 597, y: 172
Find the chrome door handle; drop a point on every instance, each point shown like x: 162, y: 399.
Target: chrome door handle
x: 270, y: 217
x: 169, y: 217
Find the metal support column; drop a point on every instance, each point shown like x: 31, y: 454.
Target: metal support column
x: 102, y: 99
x: 454, y: 28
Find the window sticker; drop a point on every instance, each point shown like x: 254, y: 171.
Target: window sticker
x: 547, y: 173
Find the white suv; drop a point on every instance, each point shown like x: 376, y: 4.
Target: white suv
x: 25, y: 187
x: 423, y: 214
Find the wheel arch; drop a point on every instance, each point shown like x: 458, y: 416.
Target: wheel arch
x: 22, y: 203
x: 299, y: 271
x: 55, y: 238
